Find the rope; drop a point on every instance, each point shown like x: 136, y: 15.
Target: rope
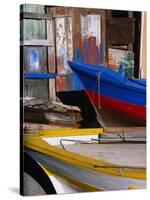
x: 99, y: 88
x: 98, y: 85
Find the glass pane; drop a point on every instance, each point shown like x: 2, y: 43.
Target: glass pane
x: 35, y: 60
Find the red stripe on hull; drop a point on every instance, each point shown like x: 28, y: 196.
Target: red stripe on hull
x: 133, y: 110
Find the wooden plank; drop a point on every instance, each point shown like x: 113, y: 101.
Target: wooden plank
x: 33, y: 8
x: 61, y: 46
x: 62, y: 84
x: 103, y: 37
x: 137, y: 130
x: 120, y: 31
x: 72, y: 132
x: 52, y: 89
x: 91, y: 39
x: 36, y: 127
x: 36, y: 43
x: 51, y: 58
x: 37, y: 114
x: 39, y: 75
x: 51, y: 50
x: 64, y: 44
x: 41, y: 16
x: 69, y: 33
x: 68, y: 107
x: 62, y: 16
x: 62, y: 54
x: 77, y: 41
x: 37, y: 16
x: 119, y: 154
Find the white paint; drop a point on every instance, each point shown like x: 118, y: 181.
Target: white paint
x: 61, y: 44
x: 90, y: 26
x: 56, y: 140
x: 62, y: 186
x: 69, y: 38
x: 64, y: 48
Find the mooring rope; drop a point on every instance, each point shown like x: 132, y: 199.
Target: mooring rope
x: 99, y: 88
x: 97, y: 85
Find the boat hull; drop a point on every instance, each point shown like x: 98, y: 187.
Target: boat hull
x: 130, y: 109
x: 125, y: 96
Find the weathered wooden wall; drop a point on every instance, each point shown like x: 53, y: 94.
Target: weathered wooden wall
x: 34, y: 58
x: 38, y: 58
x: 81, y: 34
x: 91, y: 39
x: 79, y: 37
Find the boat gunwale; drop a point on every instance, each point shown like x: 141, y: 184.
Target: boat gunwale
x: 122, y: 85
x: 38, y: 144
x: 96, y: 186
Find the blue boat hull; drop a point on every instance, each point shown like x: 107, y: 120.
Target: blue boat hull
x: 107, y: 88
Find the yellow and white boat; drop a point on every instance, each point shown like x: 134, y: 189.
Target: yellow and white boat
x: 77, y: 160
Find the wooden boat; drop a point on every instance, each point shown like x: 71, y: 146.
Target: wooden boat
x: 90, y: 159
x: 111, y: 91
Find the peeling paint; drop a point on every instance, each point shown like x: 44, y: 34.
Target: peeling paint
x: 64, y: 43
x: 62, y: 84
x: 91, y: 39
x: 69, y: 38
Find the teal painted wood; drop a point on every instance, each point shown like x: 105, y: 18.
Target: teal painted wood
x: 33, y: 29
x: 36, y: 87
x: 34, y: 8
x: 34, y: 58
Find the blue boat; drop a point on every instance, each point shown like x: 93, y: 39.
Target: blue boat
x: 109, y: 89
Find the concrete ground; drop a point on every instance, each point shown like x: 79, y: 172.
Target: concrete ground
x: 31, y: 187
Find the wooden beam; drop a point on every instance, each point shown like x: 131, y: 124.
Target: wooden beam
x: 37, y: 16
x: 40, y: 16
x: 36, y: 43
x: 50, y: 30
x: 51, y: 50
x: 71, y: 132
x: 60, y: 16
x: 39, y: 75
x: 103, y: 37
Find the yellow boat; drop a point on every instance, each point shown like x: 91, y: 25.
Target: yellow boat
x: 89, y: 159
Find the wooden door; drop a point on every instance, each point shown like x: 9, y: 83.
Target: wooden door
x: 64, y: 50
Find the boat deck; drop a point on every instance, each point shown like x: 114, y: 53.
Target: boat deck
x: 92, y: 159
x: 126, y: 147
x: 121, y: 154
